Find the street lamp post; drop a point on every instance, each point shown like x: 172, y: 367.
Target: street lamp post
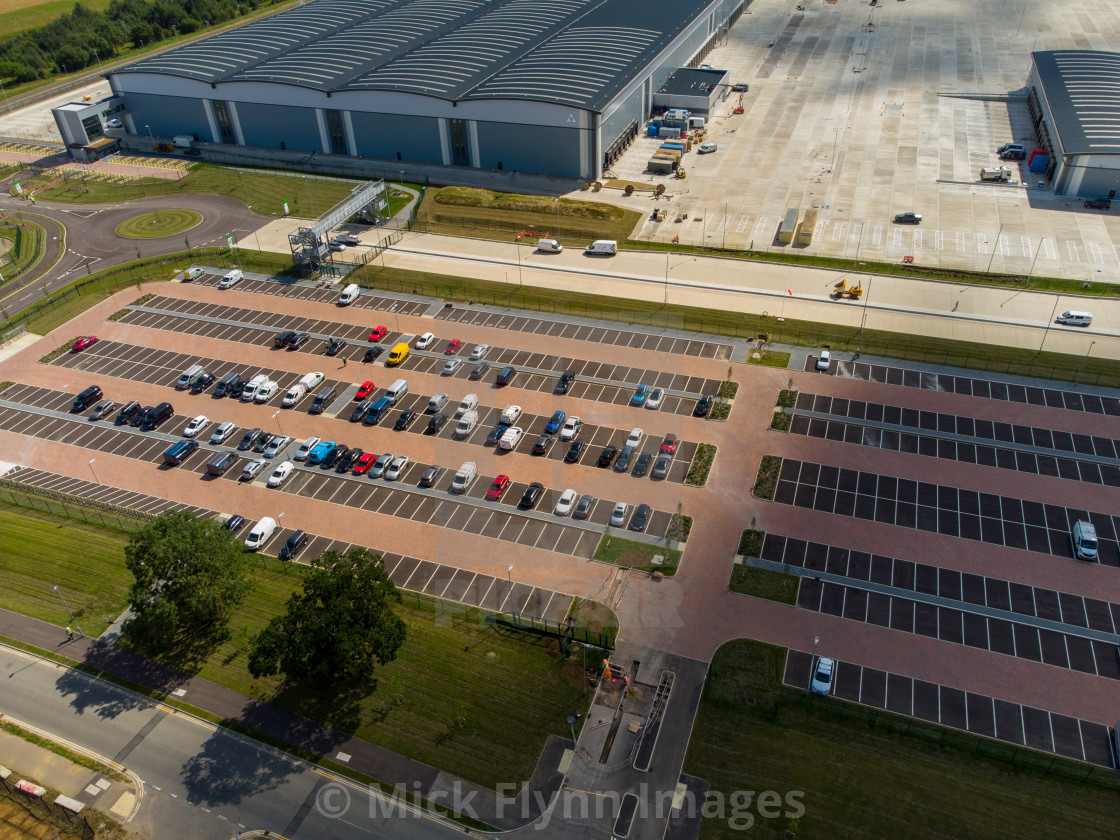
x: 557, y: 218
x: 276, y: 417
x: 69, y: 612
x: 95, y: 478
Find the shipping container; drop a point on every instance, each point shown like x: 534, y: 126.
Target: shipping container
x: 807, y: 227
x: 788, y: 226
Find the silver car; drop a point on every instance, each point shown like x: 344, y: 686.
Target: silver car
x: 451, y: 365
x: 618, y: 515
x: 252, y: 468
x: 222, y: 432
x: 277, y: 445
x: 396, y: 468
x: 380, y: 465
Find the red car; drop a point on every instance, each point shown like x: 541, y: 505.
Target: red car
x: 365, y: 389
x: 453, y: 347
x: 669, y: 445
x: 497, y: 488
x: 82, y: 343
x: 378, y: 333
x: 364, y: 462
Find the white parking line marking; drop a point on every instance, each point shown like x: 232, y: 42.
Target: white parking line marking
x: 917, y: 240
x: 981, y: 243
x: 1025, y: 245
x: 1004, y: 246
x: 760, y: 227
x: 857, y: 233
x: 896, y: 237
x: 1049, y: 249
x: 1074, y: 252
x: 939, y: 240
x: 743, y: 222
x: 1095, y: 255
x: 838, y: 231
x: 960, y: 242
x: 877, y: 235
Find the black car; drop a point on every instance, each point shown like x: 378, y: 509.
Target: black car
x: 565, y: 381
x: 642, y: 466
x: 345, y: 464
x: 141, y: 417
x: 436, y: 422
x: 237, y: 389
x: 703, y: 406
x: 496, y: 433
x: 102, y: 410
x: 431, y: 476
x: 360, y: 410
x: 373, y: 352
x: 262, y: 441
x: 622, y: 462
x: 640, y: 518
x: 479, y: 370
x: 505, y: 375
x: 661, y: 466
x: 298, y: 340
x: 331, y: 457
x: 88, y: 397
x: 127, y: 412
x: 295, y: 542
x: 155, y: 416
x: 741, y: 87
x: 908, y: 219
x: 607, y: 456
x: 336, y: 344
x: 201, y: 382
x: 1013, y: 154
x: 284, y: 339
x: 531, y: 496
x: 235, y: 522
x: 403, y: 419
x: 543, y: 444
x: 249, y: 439
x: 575, y: 451
x: 1098, y: 204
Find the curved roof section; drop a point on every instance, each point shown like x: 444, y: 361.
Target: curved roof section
x: 1082, y: 88
x: 578, y: 53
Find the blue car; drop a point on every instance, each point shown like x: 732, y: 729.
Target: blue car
x: 555, y: 423
x: 639, y: 398
x: 320, y: 452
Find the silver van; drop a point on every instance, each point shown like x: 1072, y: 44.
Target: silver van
x: 187, y: 375
x: 1084, y: 536
x: 1075, y: 319
x: 322, y: 400
x: 397, y: 390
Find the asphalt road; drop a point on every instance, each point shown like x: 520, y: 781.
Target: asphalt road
x: 205, y: 780
x: 92, y: 243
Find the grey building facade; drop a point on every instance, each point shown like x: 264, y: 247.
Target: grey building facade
x: 555, y: 87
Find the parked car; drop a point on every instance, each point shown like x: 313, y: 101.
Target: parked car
x: 298, y: 340
x: 1098, y: 204
x: 365, y: 389
x: 638, y: 399
x: 479, y: 370
x: 495, y: 434
x: 423, y: 342
x: 372, y: 353
x: 908, y: 219
x: 296, y: 541
x: 320, y: 451
x: 531, y: 496
x: 102, y: 410
x: 566, y: 502
x: 305, y: 448
x: 436, y: 422
x: 543, y: 444
x: 640, y: 518
x: 824, y: 360
x: 453, y: 347
x: 263, y: 441
x: 431, y: 476
x: 282, y: 339
x: 222, y: 433
x: 510, y: 438
x: 705, y: 148
x: 583, y: 507
x: 436, y: 402
x: 380, y: 465
x: 822, y: 676
x: 653, y: 401
x: 450, y: 366
x: 497, y: 488
x: 554, y: 423
x: 335, y: 346
x: 403, y: 419
x: 661, y: 467
x: 618, y: 515
x: 201, y: 382
x: 248, y: 439
x: 622, y: 462
x: 506, y: 375
x: 252, y: 468
x: 360, y: 410
x: 510, y: 414
x: 196, y: 425
x: 571, y: 426
x: 607, y: 456
x: 479, y: 351
x: 669, y: 444
x: 635, y: 438
x: 83, y: 343
x: 331, y: 458
x: 277, y: 445
x: 378, y: 333
x: 363, y: 462
x: 282, y: 471
x: 565, y: 381
x: 575, y: 451
x: 641, y: 466
x: 703, y: 406
x: 235, y: 523
x: 128, y: 411
x: 396, y: 468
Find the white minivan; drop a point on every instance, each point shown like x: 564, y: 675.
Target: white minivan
x: 467, y: 474
x: 1076, y: 319
x: 549, y: 246
x: 187, y: 375
x: 602, y: 248
x: 1084, y: 537
x: 231, y: 279
x: 250, y: 391
x: 349, y: 295
x: 468, y: 403
x: 266, y: 391
x: 466, y: 424
x: 260, y: 534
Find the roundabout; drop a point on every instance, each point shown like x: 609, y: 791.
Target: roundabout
x: 159, y: 223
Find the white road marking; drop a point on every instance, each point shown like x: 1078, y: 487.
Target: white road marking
x: 960, y: 242
x: 760, y: 227
x: 1095, y: 255
x: 1004, y: 246
x: 981, y: 243
x: 939, y: 240
x: 1025, y: 244
x: 1074, y: 252
x: 838, y: 231
x: 896, y: 237
x: 877, y: 235
x: 917, y: 240
x: 743, y: 222
x: 1051, y: 251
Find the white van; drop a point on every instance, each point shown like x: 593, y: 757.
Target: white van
x: 266, y: 391
x: 466, y: 424
x: 294, y: 395
x: 549, y: 246
x: 602, y: 248
x: 186, y: 376
x: 467, y: 473
x: 349, y: 295
x: 231, y: 279
x: 1076, y: 319
x: 397, y: 390
x: 1084, y: 540
x: 250, y: 391
x: 260, y: 534
x: 469, y: 403
x: 311, y: 381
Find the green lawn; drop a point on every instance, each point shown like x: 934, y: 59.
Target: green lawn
x: 265, y: 192
x: 436, y: 703
x: 867, y: 782
x: 638, y: 555
x: 764, y: 583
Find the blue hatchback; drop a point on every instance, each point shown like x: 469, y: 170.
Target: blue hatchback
x: 639, y: 398
x: 555, y: 423
x: 320, y: 452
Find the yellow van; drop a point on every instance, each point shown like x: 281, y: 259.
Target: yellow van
x: 398, y: 354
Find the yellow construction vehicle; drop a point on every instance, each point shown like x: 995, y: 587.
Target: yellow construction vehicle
x: 843, y: 290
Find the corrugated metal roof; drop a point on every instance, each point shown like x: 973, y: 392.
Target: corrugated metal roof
x: 1083, y: 90
x: 572, y: 52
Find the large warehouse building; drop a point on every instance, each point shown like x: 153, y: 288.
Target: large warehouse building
x: 1074, y: 101
x: 555, y: 87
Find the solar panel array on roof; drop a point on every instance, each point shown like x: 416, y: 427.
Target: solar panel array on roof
x: 572, y: 52
x: 1083, y: 90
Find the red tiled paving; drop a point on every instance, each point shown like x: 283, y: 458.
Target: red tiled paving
x: 691, y: 613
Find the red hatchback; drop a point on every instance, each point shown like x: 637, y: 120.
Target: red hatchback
x: 378, y: 333
x: 669, y: 445
x: 364, y: 462
x: 82, y: 343
x: 497, y: 488
x: 453, y: 347
x: 365, y: 389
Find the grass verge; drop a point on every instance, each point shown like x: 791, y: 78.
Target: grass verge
x: 768, y: 358
x: 65, y: 752
x: 27, y: 240
x: 781, y: 421
x: 750, y: 543
x: 701, y: 465
x: 853, y: 772
x: 767, y: 480
x: 637, y: 555
x: 931, y: 350
x: 764, y: 583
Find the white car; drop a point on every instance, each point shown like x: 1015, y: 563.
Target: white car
x: 425, y: 341
x: 566, y: 502
x: 618, y: 515
x: 450, y: 366
x: 396, y: 468
x: 822, y: 676
x: 305, y: 448
x: 571, y: 426
x: 114, y: 124
x: 195, y: 426
x: 277, y: 445
x: 281, y: 472
x: 823, y: 360
x: 222, y: 433
x: 653, y: 401
x: 635, y: 439
x: 510, y: 414
x: 479, y: 351
x: 511, y: 437
x: 252, y: 468
x: 707, y: 147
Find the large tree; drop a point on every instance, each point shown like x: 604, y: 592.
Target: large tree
x: 190, y: 573
x: 332, y: 633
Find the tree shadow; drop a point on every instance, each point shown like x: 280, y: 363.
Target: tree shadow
x: 339, y: 709
x: 87, y: 694
x: 229, y: 769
